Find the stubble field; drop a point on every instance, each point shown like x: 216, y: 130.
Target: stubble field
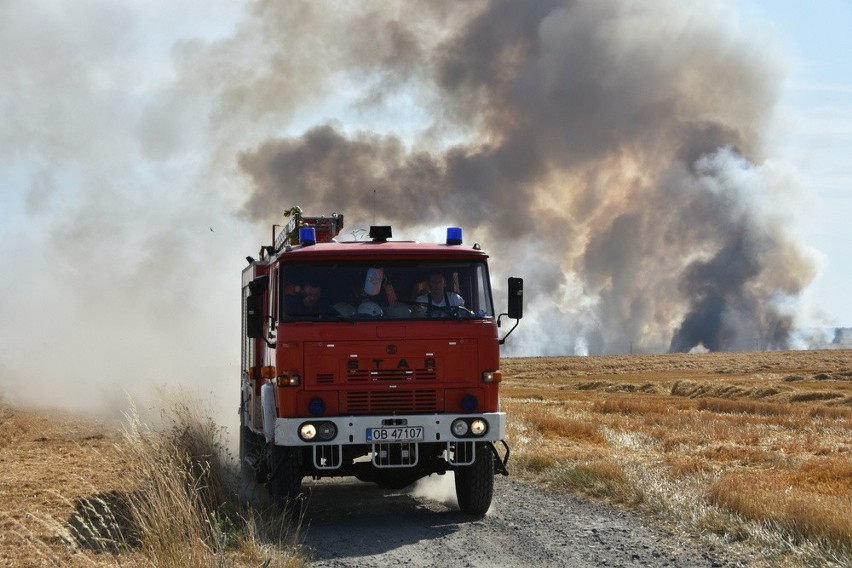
x: 747, y: 449
x: 751, y: 451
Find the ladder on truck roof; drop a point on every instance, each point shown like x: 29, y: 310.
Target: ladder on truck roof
x: 327, y: 227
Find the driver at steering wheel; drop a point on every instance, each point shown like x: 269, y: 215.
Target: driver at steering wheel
x: 439, y: 296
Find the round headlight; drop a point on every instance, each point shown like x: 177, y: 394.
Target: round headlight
x: 327, y: 430
x: 459, y: 427
x: 308, y: 431
x: 478, y: 427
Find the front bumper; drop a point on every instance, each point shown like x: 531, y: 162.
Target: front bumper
x: 352, y: 430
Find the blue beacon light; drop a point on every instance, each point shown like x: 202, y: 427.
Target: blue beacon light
x: 307, y: 236
x: 316, y: 406
x: 469, y: 403
x: 454, y: 235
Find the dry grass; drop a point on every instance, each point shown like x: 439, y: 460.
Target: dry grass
x: 167, y: 498
x: 753, y: 449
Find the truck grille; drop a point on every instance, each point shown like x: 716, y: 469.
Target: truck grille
x: 325, y: 378
x: 393, y: 375
x: 389, y: 402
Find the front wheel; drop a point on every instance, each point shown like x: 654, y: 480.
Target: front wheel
x: 475, y: 482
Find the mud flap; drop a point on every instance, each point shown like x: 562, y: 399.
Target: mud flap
x: 500, y: 463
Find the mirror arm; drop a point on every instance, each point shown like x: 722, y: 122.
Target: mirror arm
x: 273, y: 324
x: 508, y: 333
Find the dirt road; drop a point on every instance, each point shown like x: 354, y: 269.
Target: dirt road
x: 356, y: 524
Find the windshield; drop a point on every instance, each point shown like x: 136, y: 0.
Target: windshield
x: 392, y: 290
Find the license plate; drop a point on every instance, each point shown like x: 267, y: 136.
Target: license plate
x: 396, y: 434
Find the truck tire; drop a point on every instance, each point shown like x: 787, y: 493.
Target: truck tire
x: 475, y: 482
x: 285, y: 483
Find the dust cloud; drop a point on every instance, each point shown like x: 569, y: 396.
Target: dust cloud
x: 440, y: 488
x: 614, y: 154
x: 120, y: 256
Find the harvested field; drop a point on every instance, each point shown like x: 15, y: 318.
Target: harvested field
x: 76, y: 491
x: 750, y: 452
x: 752, y: 449
x: 49, y: 464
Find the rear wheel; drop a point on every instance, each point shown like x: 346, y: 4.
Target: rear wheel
x: 285, y: 483
x: 475, y: 482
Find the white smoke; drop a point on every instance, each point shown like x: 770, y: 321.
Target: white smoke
x: 606, y: 152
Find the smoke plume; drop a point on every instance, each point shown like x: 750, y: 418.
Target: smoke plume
x: 611, y: 152
x: 614, y: 154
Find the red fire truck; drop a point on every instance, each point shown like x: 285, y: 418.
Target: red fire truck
x: 377, y: 359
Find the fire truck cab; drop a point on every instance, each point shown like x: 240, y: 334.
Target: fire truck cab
x: 377, y: 359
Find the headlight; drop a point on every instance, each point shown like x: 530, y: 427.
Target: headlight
x: 459, y: 427
x: 308, y: 431
x: 327, y: 431
x: 478, y: 427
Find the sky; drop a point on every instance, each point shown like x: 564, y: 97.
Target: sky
x: 143, y: 146
x: 814, y: 133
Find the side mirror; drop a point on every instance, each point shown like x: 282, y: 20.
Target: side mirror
x: 254, y: 316
x: 516, y: 305
x: 516, y: 298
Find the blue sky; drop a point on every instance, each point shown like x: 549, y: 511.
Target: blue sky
x: 814, y: 133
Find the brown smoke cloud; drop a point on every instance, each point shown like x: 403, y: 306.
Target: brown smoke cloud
x: 612, y: 151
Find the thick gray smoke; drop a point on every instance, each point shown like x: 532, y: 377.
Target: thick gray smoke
x: 611, y: 152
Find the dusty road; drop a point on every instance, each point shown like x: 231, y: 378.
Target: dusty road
x: 356, y: 524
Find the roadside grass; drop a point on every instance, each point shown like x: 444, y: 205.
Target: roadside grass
x: 180, y: 506
x: 186, y: 508
x: 602, y: 479
x: 753, y: 450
